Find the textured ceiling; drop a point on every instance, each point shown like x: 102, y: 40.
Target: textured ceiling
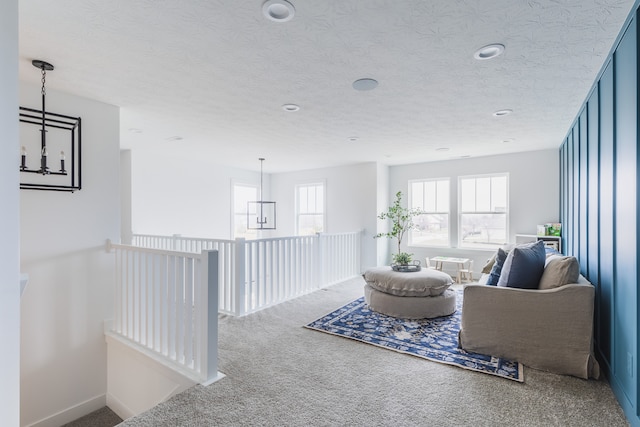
x: 216, y: 73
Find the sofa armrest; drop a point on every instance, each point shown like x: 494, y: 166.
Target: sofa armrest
x: 544, y: 329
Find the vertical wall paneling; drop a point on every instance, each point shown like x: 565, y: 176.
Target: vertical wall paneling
x: 565, y: 219
x: 599, y: 206
x: 593, y: 176
x: 625, y: 249
x: 576, y: 191
x: 563, y: 191
x: 570, y: 191
x: 582, y: 213
x: 606, y: 219
x: 593, y: 200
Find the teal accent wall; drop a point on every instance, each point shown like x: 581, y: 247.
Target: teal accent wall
x: 599, y: 210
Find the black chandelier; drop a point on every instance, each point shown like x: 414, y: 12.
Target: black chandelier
x: 57, y: 132
x: 261, y: 215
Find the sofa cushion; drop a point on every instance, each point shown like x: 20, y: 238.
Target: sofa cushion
x: 524, y: 266
x: 558, y: 271
x: 494, y: 275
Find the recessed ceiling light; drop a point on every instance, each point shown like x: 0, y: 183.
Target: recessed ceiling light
x: 278, y: 10
x: 290, y: 107
x: 365, y: 84
x: 135, y: 130
x: 508, y: 140
x: 442, y: 149
x: 489, y: 51
x: 175, y: 138
x: 465, y: 156
x: 353, y: 138
x: 501, y: 113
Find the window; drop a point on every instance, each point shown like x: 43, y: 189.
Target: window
x: 431, y: 196
x: 309, y: 209
x: 243, y: 193
x: 484, y: 210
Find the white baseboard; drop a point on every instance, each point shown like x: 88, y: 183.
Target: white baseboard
x: 118, y: 407
x: 72, y: 413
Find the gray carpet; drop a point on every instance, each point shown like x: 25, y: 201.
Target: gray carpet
x: 103, y: 417
x: 281, y: 374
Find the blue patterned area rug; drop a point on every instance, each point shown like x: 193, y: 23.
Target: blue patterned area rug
x: 432, y: 339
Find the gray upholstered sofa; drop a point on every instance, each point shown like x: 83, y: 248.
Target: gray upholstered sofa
x: 549, y: 329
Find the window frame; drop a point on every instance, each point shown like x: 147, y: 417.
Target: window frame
x: 410, y: 199
x: 298, y: 187
x: 249, y: 234
x: 461, y: 212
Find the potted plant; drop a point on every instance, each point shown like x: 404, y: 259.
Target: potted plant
x: 402, y: 259
x: 401, y: 222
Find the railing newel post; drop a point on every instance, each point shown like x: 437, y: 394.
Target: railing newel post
x: 320, y: 262
x: 210, y: 322
x: 240, y: 284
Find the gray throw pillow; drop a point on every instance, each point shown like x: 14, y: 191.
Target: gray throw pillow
x: 489, y: 265
x: 559, y: 271
x: 524, y: 266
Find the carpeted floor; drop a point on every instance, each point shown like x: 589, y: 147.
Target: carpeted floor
x: 432, y: 339
x: 282, y: 374
x: 103, y: 417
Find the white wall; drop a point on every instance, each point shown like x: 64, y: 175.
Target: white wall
x: 10, y: 223
x: 125, y: 197
x: 351, y: 194
x: 178, y: 193
x: 69, y: 295
x: 137, y: 382
x: 382, y: 204
x: 533, y: 192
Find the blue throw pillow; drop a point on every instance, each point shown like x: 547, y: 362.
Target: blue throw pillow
x: 523, y: 267
x: 494, y: 275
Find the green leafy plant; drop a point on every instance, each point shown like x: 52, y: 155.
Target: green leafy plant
x: 401, y: 221
x: 402, y: 258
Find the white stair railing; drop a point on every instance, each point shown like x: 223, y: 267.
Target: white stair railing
x: 166, y: 306
x: 279, y: 269
x: 227, y: 258
x: 255, y: 274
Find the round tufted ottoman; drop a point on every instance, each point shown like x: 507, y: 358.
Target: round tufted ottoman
x: 415, y: 295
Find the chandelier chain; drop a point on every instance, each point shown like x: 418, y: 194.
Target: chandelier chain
x: 44, y: 77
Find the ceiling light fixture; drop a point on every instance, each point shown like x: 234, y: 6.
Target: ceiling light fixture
x: 365, y: 84
x: 278, y: 10
x: 489, y: 52
x: 291, y: 107
x: 442, y: 149
x: 501, y: 113
x: 263, y: 212
x: 52, y: 137
x: 353, y: 138
x: 174, y: 138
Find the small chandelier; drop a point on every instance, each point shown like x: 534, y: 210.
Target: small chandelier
x: 68, y: 176
x: 261, y: 215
